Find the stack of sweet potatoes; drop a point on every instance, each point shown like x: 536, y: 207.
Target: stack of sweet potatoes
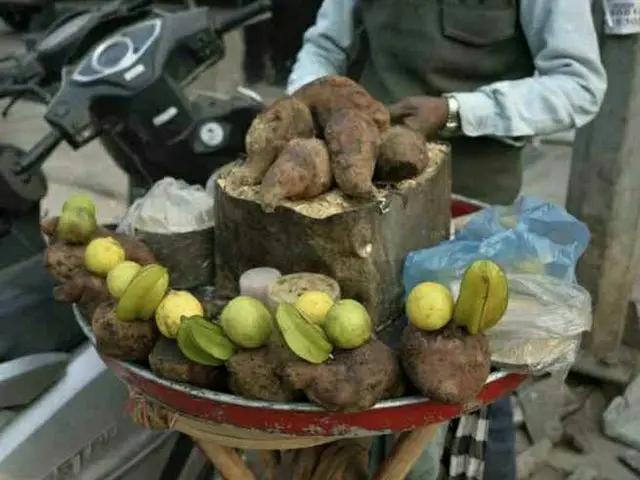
x: 330, y: 131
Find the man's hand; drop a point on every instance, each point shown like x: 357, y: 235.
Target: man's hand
x: 426, y: 115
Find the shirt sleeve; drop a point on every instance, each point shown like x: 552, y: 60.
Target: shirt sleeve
x: 327, y: 44
x: 569, y: 86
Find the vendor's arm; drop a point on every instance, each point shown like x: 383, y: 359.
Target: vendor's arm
x: 326, y: 44
x: 570, y: 85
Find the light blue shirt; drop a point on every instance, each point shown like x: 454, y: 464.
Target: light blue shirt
x: 566, y: 92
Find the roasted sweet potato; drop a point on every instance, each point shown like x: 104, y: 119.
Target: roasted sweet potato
x: 135, y: 250
x: 129, y: 341
x: 353, y: 380
x: 353, y: 141
x: 330, y: 94
x: 167, y: 361
x: 86, y: 290
x: 256, y: 374
x: 301, y: 171
x: 64, y: 262
x: 269, y: 133
x: 75, y: 284
x: 448, y: 365
x: 403, y: 154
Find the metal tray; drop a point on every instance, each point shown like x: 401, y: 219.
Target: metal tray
x: 299, y: 419
x: 306, y: 419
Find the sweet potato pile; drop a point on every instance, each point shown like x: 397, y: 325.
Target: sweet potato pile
x: 75, y: 284
x: 353, y: 380
x: 65, y: 263
x: 331, y: 131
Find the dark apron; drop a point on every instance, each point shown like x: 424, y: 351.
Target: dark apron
x: 431, y: 47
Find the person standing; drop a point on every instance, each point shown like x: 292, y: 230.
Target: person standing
x: 271, y: 45
x: 484, y: 74
x: 464, y: 69
x: 257, y: 48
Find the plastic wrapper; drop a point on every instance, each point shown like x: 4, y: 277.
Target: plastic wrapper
x: 529, y: 236
x: 170, y: 206
x: 538, y: 244
x: 176, y: 221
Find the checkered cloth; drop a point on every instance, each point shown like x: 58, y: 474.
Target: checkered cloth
x: 463, y: 454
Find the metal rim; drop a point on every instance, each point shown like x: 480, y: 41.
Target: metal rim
x: 293, y: 406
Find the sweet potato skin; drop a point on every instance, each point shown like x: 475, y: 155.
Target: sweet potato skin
x: 353, y: 380
x: 128, y: 341
x: 448, y: 365
x: 403, y: 154
x: 328, y: 95
x: 256, y: 374
x: 301, y: 171
x: 353, y: 142
x: 64, y: 262
x: 86, y: 290
x: 269, y: 133
x: 167, y: 361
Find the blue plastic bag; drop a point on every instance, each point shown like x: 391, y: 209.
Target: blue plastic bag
x: 538, y: 245
x: 529, y: 236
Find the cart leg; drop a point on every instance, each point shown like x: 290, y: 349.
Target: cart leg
x: 405, y: 452
x: 227, y: 461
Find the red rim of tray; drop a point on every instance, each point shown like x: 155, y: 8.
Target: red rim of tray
x: 305, y: 419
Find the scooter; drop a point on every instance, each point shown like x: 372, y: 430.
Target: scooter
x: 36, y: 74
x: 29, y: 16
x: 64, y: 410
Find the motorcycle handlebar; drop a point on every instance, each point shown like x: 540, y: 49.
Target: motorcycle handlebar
x: 39, y: 153
x: 242, y: 15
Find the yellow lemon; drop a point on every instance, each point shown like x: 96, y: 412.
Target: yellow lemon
x: 348, y: 324
x: 103, y: 255
x: 314, y: 305
x: 178, y: 304
x: 429, y: 306
x: 247, y: 322
x: 79, y: 201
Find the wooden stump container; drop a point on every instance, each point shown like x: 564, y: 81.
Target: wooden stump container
x: 360, y: 244
x: 188, y: 256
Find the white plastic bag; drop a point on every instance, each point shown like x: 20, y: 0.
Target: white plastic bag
x: 170, y: 206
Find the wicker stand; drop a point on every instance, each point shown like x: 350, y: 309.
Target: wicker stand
x: 316, y: 458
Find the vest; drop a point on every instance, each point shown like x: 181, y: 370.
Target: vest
x: 431, y: 47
